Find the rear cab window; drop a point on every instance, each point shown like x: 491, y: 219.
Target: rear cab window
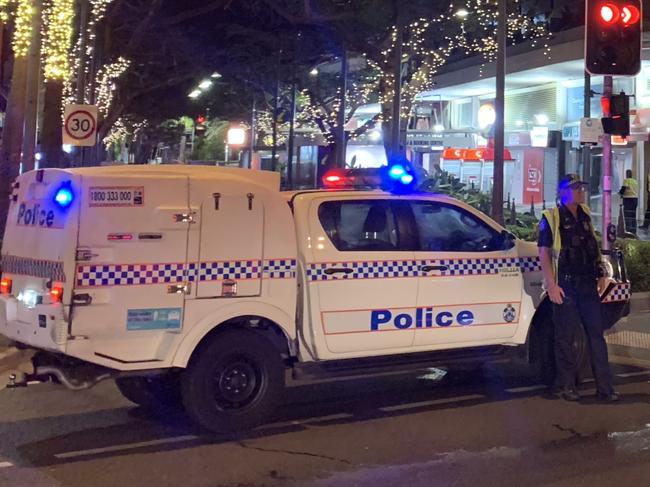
x: 361, y: 225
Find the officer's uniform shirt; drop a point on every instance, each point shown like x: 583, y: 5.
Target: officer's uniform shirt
x: 579, y: 255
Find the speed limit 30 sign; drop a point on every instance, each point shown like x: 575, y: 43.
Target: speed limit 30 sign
x: 80, y: 125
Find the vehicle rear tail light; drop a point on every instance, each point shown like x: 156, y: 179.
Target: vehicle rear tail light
x: 5, y: 285
x: 56, y: 294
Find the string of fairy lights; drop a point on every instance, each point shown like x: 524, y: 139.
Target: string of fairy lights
x: 62, y: 56
x: 124, y: 131
x: 469, y: 29
x: 57, y: 32
x: 23, y: 28
x: 106, y: 83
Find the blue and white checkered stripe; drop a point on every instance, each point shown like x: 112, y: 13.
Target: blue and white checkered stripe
x: 530, y: 264
x: 24, y: 266
x: 129, y: 275
x: 279, y: 269
x: 236, y: 269
x: 622, y: 291
x: 143, y: 274
x: 376, y: 269
x: 472, y: 267
x: 412, y: 268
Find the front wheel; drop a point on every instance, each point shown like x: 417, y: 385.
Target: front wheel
x: 234, y: 382
x: 543, y: 351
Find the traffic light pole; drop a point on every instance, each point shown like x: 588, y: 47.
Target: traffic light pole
x: 607, y: 169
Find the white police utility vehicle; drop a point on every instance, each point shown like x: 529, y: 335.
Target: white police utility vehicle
x: 204, y: 286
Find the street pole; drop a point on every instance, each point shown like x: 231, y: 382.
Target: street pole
x: 499, y: 133
x: 341, y: 142
x: 28, y: 158
x: 607, y: 169
x: 292, y: 128
x: 586, y: 149
x: 397, y: 88
x: 276, y: 107
x: 81, y: 70
x: 252, y: 136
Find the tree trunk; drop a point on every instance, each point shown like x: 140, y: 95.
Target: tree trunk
x: 12, y: 137
x: 387, y: 130
x: 51, y: 134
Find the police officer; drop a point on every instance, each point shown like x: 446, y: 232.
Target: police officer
x: 570, y: 260
x: 630, y: 193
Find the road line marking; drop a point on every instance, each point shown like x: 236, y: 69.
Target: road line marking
x: 435, y: 402
x: 634, y: 374
x: 6, y: 464
x: 127, y: 446
x: 635, y: 362
x: 526, y: 388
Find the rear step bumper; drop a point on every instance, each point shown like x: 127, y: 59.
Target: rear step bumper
x: 72, y: 373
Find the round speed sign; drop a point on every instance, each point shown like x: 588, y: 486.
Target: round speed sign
x: 80, y: 125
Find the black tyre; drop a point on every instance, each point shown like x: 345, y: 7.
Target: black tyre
x: 234, y: 382
x: 159, y: 391
x: 543, y: 351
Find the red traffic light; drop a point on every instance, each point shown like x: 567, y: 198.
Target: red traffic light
x: 609, y: 13
x: 630, y: 15
x: 200, y: 119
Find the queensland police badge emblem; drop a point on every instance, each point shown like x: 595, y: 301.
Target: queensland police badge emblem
x: 509, y: 314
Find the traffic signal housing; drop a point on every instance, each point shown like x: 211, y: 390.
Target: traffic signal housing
x: 613, y: 37
x: 618, y: 122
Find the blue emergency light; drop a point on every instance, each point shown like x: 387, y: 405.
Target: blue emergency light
x: 401, y: 178
x: 64, y: 196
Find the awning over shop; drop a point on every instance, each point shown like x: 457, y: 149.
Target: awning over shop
x: 474, y: 155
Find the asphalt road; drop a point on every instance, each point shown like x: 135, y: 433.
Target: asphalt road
x: 466, y: 429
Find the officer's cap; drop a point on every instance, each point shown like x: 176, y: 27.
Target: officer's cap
x: 571, y: 181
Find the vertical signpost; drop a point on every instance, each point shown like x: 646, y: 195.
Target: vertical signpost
x: 612, y: 47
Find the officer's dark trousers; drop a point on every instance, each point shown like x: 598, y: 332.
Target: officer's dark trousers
x: 629, y: 210
x: 581, y: 307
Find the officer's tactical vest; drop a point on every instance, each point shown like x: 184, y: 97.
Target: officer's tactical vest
x: 553, y: 219
x: 631, y: 188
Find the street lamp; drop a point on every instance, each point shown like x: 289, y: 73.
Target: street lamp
x: 205, y: 84
x: 236, y: 136
x: 215, y: 75
x: 314, y: 72
x: 461, y: 13
x: 195, y: 94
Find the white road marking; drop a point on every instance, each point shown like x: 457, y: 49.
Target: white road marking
x: 435, y: 402
x: 127, y: 446
x: 634, y: 374
x: 6, y: 464
x: 526, y: 388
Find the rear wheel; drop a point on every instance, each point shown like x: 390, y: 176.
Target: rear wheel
x: 152, y: 392
x: 234, y: 382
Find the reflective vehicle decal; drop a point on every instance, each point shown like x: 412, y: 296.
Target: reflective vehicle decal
x: 102, y: 275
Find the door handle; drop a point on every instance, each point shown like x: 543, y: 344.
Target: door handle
x: 179, y: 288
x: 338, y: 270
x: 82, y: 299
x: 429, y: 268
